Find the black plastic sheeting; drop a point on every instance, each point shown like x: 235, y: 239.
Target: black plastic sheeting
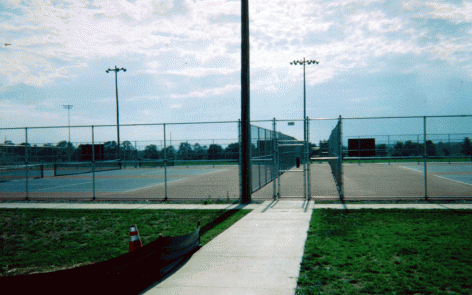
x: 130, y: 273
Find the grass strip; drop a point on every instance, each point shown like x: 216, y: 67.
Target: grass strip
x: 380, y: 251
x: 42, y: 240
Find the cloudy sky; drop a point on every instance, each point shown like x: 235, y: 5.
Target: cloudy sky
x: 376, y: 58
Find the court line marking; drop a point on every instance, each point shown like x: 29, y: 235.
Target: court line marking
x: 40, y: 189
x: 179, y: 179
x: 438, y: 176
x: 412, y: 169
x: 155, y: 172
x: 453, y: 180
x: 135, y: 189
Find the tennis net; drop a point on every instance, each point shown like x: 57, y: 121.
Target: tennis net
x: 61, y: 169
x: 13, y: 172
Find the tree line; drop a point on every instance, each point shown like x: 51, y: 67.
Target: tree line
x: 410, y: 148
x: 66, y: 151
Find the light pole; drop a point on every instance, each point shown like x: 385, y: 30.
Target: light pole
x: 116, y: 70
x: 303, y: 62
x: 305, y: 131
x: 68, y: 107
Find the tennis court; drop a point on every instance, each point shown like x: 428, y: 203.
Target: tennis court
x: 379, y: 181
x: 374, y: 180
x: 131, y: 183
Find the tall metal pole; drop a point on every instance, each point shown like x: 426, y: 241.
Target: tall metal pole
x: 245, y: 106
x: 117, y: 115
x: 116, y: 70
x: 68, y: 107
x: 304, y: 62
x: 304, y: 101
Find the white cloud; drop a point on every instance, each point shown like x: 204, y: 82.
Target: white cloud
x: 454, y: 13
x: 203, y: 72
x: 137, y: 98
x: 208, y: 92
x: 18, y: 115
x: 177, y: 46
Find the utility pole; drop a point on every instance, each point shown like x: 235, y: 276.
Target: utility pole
x: 245, y: 106
x: 68, y: 107
x: 116, y: 70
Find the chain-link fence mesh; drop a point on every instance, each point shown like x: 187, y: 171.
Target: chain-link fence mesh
x: 397, y: 157
x: 400, y: 157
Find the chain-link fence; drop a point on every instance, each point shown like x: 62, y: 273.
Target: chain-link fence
x: 269, y: 157
x: 152, y: 161
x: 398, y: 157
x: 335, y: 155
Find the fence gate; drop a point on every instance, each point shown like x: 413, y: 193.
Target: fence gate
x: 290, y: 155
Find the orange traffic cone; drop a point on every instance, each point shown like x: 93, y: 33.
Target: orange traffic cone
x: 134, y: 239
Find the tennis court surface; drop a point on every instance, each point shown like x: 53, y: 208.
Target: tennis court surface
x: 131, y: 183
x: 380, y: 181
x: 372, y: 181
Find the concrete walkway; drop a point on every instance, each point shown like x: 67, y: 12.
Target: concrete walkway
x: 259, y: 254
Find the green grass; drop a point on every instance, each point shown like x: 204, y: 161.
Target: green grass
x: 41, y: 240
x: 388, y: 252
x: 389, y: 201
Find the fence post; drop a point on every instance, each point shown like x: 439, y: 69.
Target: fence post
x: 450, y: 152
x: 165, y: 164
x: 308, y: 156
x: 359, y: 150
x: 303, y: 155
x: 340, y: 155
x: 274, y: 155
x: 265, y: 156
x: 279, y: 175
x: 26, y: 163
x: 93, y: 164
x: 418, y: 147
x: 425, y: 155
x: 388, y: 147
x: 258, y: 145
x: 239, y: 161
